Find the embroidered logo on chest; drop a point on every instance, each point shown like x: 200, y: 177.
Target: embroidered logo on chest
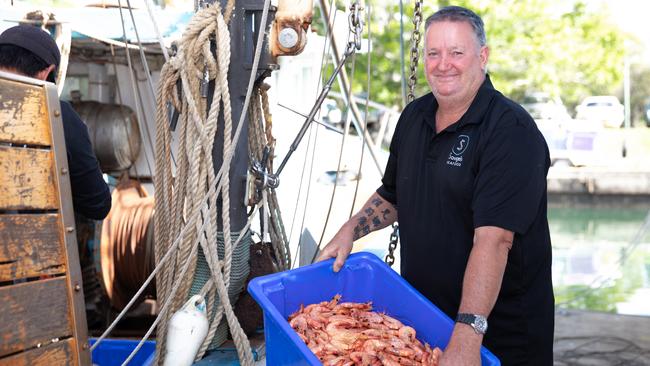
x: 456, y: 155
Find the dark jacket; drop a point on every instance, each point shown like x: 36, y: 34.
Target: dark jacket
x: 90, y: 194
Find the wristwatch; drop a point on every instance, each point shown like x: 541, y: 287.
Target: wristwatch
x: 478, y: 322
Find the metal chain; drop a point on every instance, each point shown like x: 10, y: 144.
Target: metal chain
x: 392, y: 245
x: 415, y: 55
x: 415, y: 49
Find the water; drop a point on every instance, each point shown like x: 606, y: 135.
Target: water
x: 601, y: 259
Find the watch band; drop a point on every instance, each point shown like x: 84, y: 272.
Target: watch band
x: 477, y: 322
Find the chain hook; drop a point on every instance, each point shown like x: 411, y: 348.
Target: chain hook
x: 355, y: 22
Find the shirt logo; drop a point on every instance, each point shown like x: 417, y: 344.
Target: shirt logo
x: 455, y: 156
x: 461, y: 145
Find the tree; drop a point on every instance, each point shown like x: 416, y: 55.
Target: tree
x: 571, y: 52
x: 639, y: 93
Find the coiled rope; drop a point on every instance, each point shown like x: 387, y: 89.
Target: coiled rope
x: 195, y: 179
x: 259, y: 136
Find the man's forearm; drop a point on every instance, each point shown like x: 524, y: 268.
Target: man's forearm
x: 485, y: 268
x: 376, y: 214
x: 481, y: 286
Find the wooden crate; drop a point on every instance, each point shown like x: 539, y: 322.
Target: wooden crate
x: 42, y: 316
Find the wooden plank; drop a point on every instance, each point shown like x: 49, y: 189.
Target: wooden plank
x: 30, y: 246
x: 27, y: 179
x: 23, y: 114
x: 33, y: 313
x: 54, y: 354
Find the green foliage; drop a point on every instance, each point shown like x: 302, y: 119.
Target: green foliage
x: 570, y: 53
x: 542, y: 45
x: 385, y: 66
x: 639, y: 93
x: 585, y: 298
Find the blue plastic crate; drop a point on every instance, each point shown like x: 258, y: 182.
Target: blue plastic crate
x: 364, y: 277
x: 113, y: 352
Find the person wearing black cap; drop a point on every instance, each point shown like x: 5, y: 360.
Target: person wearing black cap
x: 29, y: 51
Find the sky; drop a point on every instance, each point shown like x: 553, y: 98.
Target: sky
x: 632, y: 16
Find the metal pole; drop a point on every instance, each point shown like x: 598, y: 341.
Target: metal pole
x: 244, y: 27
x: 626, y: 100
x: 626, y: 91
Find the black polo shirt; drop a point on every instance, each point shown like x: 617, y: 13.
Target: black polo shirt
x: 487, y: 169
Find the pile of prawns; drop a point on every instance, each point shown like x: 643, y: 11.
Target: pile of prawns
x: 349, y: 333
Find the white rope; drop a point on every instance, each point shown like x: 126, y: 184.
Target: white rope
x: 173, y: 291
x: 189, y: 76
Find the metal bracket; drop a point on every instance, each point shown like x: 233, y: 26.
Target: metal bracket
x: 262, y: 179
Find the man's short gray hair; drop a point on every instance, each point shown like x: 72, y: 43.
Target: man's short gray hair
x: 460, y: 14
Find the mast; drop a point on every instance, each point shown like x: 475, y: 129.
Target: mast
x: 244, y: 28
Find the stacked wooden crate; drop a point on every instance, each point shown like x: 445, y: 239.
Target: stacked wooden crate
x: 42, y: 319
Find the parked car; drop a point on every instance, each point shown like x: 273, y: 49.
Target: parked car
x: 647, y: 114
x: 604, y: 108
x: 330, y: 112
x: 543, y: 106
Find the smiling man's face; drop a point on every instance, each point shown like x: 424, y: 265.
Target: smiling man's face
x: 454, y: 61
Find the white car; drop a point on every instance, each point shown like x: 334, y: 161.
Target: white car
x: 542, y: 107
x: 605, y: 109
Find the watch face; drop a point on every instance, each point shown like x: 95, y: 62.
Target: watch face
x: 481, y: 324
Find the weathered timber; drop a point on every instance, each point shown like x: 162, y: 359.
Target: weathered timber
x: 33, y: 313
x: 41, y: 322
x: 54, y: 354
x: 30, y: 246
x: 27, y: 179
x: 23, y: 114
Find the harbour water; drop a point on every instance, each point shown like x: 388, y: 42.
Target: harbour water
x: 601, y: 258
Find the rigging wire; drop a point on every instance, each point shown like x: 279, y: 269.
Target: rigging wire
x: 145, y: 65
x: 138, y: 105
x: 143, y: 58
x: 326, y: 49
x: 343, y: 79
x: 346, y: 131
x: 119, y: 98
x: 147, y: 71
x: 365, y: 120
x: 155, y: 28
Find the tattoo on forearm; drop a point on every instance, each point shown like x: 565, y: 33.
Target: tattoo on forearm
x: 361, y: 230
x: 370, y: 216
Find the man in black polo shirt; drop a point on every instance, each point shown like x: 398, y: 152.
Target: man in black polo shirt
x: 467, y: 175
